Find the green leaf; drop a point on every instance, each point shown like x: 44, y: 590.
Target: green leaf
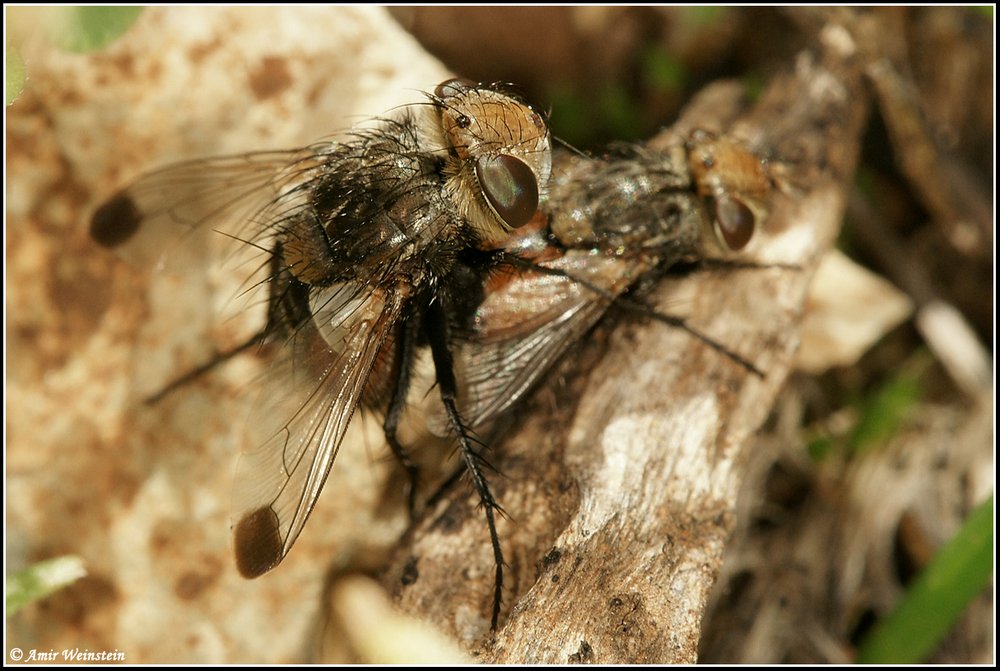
x: 15, y: 74
x: 959, y: 572
x: 91, y: 28
x: 41, y: 579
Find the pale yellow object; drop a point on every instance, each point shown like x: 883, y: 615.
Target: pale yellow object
x: 848, y: 310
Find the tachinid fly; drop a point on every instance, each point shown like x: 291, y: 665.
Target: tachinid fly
x: 611, y: 222
x: 375, y: 248
x: 421, y: 233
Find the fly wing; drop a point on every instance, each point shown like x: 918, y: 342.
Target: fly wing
x: 163, y: 219
x: 206, y: 229
x: 327, y: 364
x: 524, y: 325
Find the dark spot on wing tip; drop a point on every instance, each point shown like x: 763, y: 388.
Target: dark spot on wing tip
x: 116, y: 221
x: 258, y: 543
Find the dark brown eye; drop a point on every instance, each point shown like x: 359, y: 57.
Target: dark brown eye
x: 510, y: 187
x: 463, y: 121
x: 452, y: 87
x: 735, y: 222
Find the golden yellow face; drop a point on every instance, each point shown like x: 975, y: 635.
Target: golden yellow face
x: 734, y: 182
x: 501, y: 156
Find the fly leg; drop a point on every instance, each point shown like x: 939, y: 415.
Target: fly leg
x: 284, y: 303
x: 640, y: 308
x: 406, y: 347
x: 219, y: 358
x: 436, y: 329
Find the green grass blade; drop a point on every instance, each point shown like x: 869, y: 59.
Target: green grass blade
x: 92, y: 28
x: 883, y: 412
x: 41, y: 579
x: 15, y: 74
x: 959, y: 572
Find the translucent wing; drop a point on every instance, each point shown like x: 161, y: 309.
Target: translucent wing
x: 524, y: 325
x: 209, y: 225
x: 327, y: 364
x: 165, y: 216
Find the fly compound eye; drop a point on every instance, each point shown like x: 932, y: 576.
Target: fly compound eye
x: 453, y: 87
x: 510, y: 188
x: 734, y: 221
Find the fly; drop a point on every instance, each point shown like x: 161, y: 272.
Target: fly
x: 374, y: 248
x: 612, y: 223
